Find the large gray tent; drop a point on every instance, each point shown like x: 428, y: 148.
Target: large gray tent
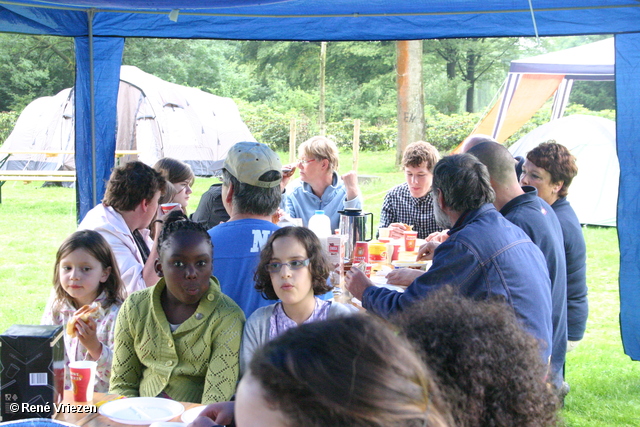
x: 155, y: 118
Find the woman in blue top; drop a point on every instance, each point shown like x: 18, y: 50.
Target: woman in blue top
x: 550, y: 167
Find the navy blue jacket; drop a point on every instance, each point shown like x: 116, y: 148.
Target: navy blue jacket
x: 539, y: 221
x: 576, y: 254
x: 485, y: 256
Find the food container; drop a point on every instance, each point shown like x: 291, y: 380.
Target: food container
x: 417, y: 265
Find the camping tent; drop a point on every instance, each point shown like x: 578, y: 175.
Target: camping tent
x: 99, y: 28
x: 156, y: 118
x: 532, y: 81
x: 594, y: 191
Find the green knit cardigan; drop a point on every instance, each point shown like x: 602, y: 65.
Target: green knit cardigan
x: 196, y: 363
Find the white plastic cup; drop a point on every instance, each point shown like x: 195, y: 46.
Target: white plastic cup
x: 83, y: 378
x: 383, y: 233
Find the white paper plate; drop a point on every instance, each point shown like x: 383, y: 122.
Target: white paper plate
x: 191, y: 414
x: 141, y: 410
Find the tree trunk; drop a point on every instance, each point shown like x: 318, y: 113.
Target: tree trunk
x: 470, y: 77
x: 410, y: 95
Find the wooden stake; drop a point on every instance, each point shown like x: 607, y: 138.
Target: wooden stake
x: 292, y: 140
x: 356, y: 143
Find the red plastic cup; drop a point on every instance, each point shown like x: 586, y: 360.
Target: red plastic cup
x: 361, y: 252
x: 410, y: 240
x: 83, y: 376
x: 168, y: 207
x: 396, y: 252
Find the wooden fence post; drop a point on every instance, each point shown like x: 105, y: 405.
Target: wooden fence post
x: 292, y: 140
x: 356, y: 143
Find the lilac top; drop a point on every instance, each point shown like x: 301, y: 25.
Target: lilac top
x: 280, y: 322
x: 74, y: 350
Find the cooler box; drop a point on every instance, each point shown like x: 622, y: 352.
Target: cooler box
x: 31, y: 371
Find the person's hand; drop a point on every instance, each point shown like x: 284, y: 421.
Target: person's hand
x: 356, y: 282
x: 86, y: 333
x: 396, y: 230
x: 425, y: 253
x: 287, y: 173
x: 350, y: 180
x: 220, y: 413
x: 438, y: 236
x: 403, y: 276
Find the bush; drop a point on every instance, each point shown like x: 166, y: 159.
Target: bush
x: 372, y: 138
x: 446, y: 132
x: 7, y: 122
x: 272, y: 127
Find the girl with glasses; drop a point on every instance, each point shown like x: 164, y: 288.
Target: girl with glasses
x: 293, y: 268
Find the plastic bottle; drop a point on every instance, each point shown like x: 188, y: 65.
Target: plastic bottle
x: 320, y: 224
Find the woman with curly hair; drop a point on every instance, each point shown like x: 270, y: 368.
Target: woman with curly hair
x: 486, y: 366
x: 550, y: 167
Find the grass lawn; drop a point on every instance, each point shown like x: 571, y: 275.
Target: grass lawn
x: 605, y: 383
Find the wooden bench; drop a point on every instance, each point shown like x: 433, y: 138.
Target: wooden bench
x: 28, y: 176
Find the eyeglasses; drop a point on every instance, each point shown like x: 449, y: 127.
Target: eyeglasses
x: 304, y: 162
x: 275, y: 267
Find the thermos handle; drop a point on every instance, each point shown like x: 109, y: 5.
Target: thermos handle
x: 370, y: 227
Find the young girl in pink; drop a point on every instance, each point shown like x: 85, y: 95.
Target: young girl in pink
x: 85, y: 273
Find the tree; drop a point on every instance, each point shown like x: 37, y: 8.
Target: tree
x: 472, y: 60
x: 32, y: 67
x: 210, y: 65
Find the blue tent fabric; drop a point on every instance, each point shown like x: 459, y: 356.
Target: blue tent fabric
x: 628, y: 135
x: 107, y: 53
x: 331, y: 20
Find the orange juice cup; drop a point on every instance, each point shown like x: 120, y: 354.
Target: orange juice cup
x: 410, y: 240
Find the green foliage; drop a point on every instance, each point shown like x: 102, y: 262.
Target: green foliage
x: 446, y: 132
x: 372, y: 138
x: 206, y: 64
x: 595, y: 96
x: 32, y: 67
x: 273, y: 127
x: 7, y: 122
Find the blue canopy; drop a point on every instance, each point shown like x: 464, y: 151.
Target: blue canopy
x: 99, y: 27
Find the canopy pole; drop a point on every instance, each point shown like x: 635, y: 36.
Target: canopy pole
x: 92, y: 109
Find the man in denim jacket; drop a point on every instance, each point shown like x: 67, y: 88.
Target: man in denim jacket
x: 485, y: 256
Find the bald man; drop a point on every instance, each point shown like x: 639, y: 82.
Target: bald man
x: 523, y: 207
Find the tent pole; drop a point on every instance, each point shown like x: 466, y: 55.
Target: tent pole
x: 92, y: 104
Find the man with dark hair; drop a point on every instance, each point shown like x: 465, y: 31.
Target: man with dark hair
x: 129, y: 204
x: 485, y: 255
x: 251, y: 194
x: 410, y: 203
x: 523, y: 207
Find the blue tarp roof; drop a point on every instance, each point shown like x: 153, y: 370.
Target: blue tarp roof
x: 99, y: 26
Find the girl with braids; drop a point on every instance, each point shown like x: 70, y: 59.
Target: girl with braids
x: 180, y: 338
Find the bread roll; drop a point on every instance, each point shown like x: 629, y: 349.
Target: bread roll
x: 84, y: 313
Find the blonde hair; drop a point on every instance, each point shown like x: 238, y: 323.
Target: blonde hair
x: 320, y: 147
